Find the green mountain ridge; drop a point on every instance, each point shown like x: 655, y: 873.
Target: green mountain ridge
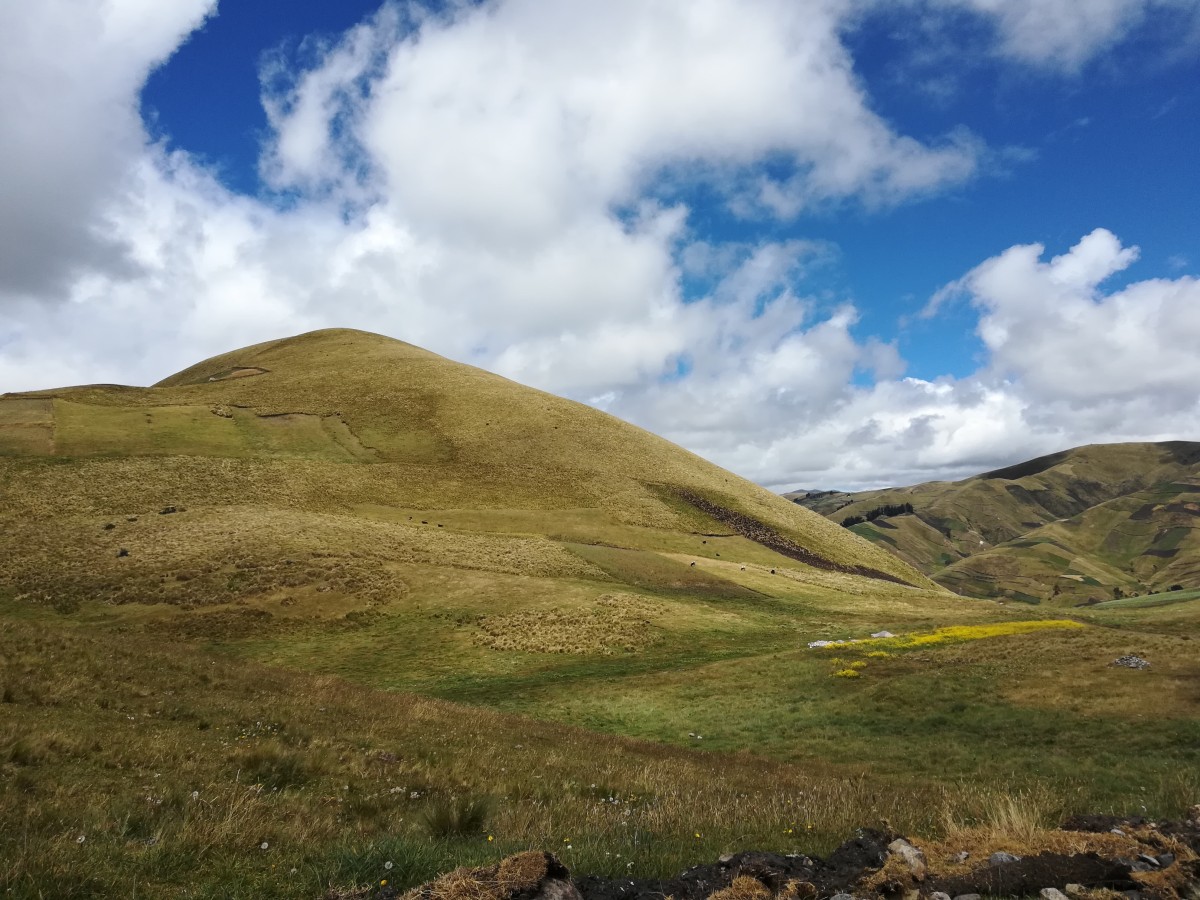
x: 1070, y: 528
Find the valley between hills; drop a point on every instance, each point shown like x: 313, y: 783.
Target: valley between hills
x: 333, y: 614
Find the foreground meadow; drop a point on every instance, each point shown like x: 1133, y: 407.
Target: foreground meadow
x: 130, y: 766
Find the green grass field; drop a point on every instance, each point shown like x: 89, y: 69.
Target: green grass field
x: 259, y: 634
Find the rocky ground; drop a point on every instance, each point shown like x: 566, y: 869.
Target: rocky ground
x: 1088, y: 858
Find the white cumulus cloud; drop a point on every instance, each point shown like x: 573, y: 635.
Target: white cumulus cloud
x: 1066, y: 35
x: 507, y: 183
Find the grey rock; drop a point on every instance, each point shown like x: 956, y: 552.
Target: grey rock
x: 842, y: 897
x: 1166, y: 859
x: 939, y: 895
x: 913, y: 858
x: 961, y: 856
x: 1149, y: 860
x: 725, y: 859
x: 1130, y: 662
x: 968, y: 897
x: 557, y: 889
x: 1051, y: 894
x: 1116, y: 831
x: 1076, y: 890
x: 1001, y: 858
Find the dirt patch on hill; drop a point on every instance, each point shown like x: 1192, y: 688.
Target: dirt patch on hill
x: 237, y: 372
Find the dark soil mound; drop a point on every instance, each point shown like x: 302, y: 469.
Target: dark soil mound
x: 1025, y: 877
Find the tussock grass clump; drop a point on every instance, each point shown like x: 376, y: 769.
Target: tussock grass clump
x: 617, y: 622
x: 1001, y: 818
x: 457, y: 817
x: 515, y: 875
x: 743, y: 888
x: 277, y: 768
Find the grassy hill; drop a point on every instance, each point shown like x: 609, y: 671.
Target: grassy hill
x: 268, y: 624
x: 1065, y: 529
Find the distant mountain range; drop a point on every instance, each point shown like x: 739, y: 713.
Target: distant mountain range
x: 1077, y: 527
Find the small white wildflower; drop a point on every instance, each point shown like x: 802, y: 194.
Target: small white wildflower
x: 388, y: 865
x: 80, y: 839
x: 264, y: 845
x: 195, y: 795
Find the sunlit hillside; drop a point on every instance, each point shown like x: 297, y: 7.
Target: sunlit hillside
x: 1080, y: 526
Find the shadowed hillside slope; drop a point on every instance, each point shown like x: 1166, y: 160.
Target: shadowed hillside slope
x: 1073, y: 527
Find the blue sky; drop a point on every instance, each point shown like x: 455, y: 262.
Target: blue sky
x: 723, y: 221
x: 1114, y: 145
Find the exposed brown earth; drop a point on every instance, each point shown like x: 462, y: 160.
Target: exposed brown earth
x: 1101, y: 858
x: 761, y: 533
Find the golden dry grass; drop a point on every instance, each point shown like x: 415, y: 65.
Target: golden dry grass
x: 743, y: 888
x: 616, y: 622
x: 451, y: 433
x: 522, y: 872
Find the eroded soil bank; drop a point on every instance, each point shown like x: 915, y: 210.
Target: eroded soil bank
x: 1088, y: 857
